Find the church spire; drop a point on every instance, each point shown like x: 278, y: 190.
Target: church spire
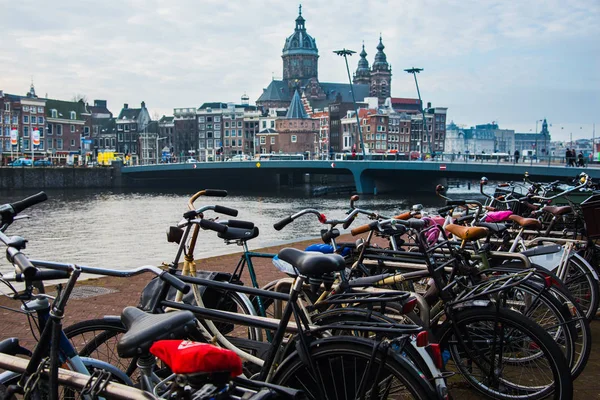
x: 380, y: 63
x: 363, y: 73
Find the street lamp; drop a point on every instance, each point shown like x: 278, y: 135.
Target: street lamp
x: 414, y: 71
x: 345, y: 53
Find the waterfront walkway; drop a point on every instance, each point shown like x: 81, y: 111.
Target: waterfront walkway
x: 95, y: 298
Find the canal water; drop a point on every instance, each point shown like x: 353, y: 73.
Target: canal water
x: 127, y: 229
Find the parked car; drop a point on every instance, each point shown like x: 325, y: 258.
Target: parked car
x: 42, y: 163
x: 21, y: 162
x: 191, y: 161
x: 239, y: 157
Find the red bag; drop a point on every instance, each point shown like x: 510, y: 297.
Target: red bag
x: 186, y: 357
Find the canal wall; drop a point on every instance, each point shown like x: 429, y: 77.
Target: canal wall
x: 57, y: 177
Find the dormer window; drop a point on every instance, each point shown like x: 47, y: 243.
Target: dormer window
x: 54, y: 113
x: 73, y: 115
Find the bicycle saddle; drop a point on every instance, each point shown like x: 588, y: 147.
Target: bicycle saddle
x: 239, y: 234
x: 526, y: 222
x: 311, y: 263
x: 469, y: 233
x: 143, y: 329
x: 493, y: 226
x: 555, y: 210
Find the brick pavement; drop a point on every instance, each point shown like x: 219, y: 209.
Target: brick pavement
x: 127, y: 291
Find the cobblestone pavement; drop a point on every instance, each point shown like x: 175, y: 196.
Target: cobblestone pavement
x: 108, y: 296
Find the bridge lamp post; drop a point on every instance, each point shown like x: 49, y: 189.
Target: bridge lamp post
x: 345, y: 53
x: 414, y: 71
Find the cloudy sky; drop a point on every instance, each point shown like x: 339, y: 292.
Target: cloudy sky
x: 514, y: 62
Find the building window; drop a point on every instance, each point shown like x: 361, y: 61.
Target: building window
x: 264, y: 124
x: 72, y: 128
x: 263, y: 140
x: 7, y: 107
x: 218, y: 127
x: 120, y: 137
x: 272, y: 139
x: 40, y: 110
x: 202, y: 144
x: 40, y: 120
x: 49, y: 128
x: 32, y: 110
x: 239, y: 124
x: 272, y: 124
x: 112, y: 142
x: 25, y: 119
x: 201, y: 119
x: 33, y: 119
x: 59, y: 144
x: 72, y: 142
x: 73, y: 114
x: 25, y: 131
x: 226, y: 133
x: 209, y: 134
x: 126, y: 127
x: 294, y: 139
x: 226, y: 124
x: 26, y: 144
x: 239, y: 142
x: 217, y: 119
x: 239, y: 133
x: 226, y: 142
x: 14, y: 120
x: 25, y: 108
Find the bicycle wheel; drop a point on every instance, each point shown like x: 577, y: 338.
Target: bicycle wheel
x: 582, y: 284
x: 347, y: 368
x: 505, y: 355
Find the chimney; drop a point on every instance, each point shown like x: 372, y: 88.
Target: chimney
x: 126, y: 106
x: 143, y: 104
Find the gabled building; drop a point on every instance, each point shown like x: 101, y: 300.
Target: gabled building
x: 104, y: 128
x: 184, y: 132
x: 296, y: 133
x: 132, y: 128
x: 68, y: 131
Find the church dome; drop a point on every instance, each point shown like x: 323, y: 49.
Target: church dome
x: 300, y: 42
x: 363, y: 64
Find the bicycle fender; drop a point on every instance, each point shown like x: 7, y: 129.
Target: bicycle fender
x: 8, y: 377
x: 91, y: 363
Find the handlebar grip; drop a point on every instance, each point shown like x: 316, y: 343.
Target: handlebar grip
x: 213, y: 226
x: 403, y: 216
x: 226, y: 211
x: 416, y: 223
x: 232, y: 223
x: 456, y: 202
x: 20, y: 205
x: 280, y: 224
x: 175, y: 281
x: 22, y: 263
x: 45, y: 275
x: 215, y: 193
x: 503, y: 184
x: 444, y: 210
x: 348, y: 223
x: 364, y: 228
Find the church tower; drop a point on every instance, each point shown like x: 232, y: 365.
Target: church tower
x: 381, y: 75
x: 300, y: 55
x: 362, y: 76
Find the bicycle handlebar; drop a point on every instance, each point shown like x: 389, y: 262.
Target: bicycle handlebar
x: 213, y: 226
x: 21, y: 262
x: 226, y: 210
x: 413, y: 223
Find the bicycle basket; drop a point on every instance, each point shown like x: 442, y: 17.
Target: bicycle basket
x: 591, y: 215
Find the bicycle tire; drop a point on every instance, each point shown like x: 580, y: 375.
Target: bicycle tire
x: 338, y: 353
x: 582, y: 285
x: 558, y: 382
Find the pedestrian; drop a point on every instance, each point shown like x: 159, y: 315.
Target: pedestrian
x: 568, y: 157
x: 573, y: 158
x: 517, y: 155
x: 580, y: 160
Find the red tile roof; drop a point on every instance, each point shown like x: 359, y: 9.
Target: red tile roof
x: 401, y: 100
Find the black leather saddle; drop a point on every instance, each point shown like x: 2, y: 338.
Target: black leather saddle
x: 494, y: 226
x: 143, y: 329
x: 310, y: 263
x: 239, y: 234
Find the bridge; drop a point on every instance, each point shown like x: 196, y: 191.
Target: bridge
x: 368, y: 176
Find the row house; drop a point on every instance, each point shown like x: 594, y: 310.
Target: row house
x: 234, y: 139
x: 166, y: 129
x: 337, y: 111
x: 210, y: 127
x: 132, y: 132
x: 104, y: 128
x: 399, y: 132
x: 432, y: 139
x: 323, y: 136
x: 182, y: 133
x: 23, y: 114
x: 251, y: 129
x: 351, y: 135
x: 68, y: 130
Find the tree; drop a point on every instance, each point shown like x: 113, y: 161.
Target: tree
x: 79, y: 96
